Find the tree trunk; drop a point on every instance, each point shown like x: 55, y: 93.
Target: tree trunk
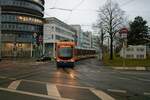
x: 102, y: 42
x: 111, y: 47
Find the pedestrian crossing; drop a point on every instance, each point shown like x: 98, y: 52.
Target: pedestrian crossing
x: 56, y: 91
x: 52, y: 90
x: 14, y: 85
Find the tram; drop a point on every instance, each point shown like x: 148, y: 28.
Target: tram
x: 67, y: 54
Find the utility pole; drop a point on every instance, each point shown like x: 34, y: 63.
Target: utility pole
x: 0, y: 35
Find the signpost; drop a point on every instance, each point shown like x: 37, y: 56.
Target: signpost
x: 123, y: 34
x: 40, y: 42
x: 34, y: 45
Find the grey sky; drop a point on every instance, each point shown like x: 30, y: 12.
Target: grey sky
x: 84, y: 10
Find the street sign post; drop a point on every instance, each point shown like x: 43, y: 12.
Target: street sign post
x: 40, y: 46
x: 123, y: 34
x: 34, y: 45
x: 40, y: 39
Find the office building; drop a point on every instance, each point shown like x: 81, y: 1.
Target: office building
x: 56, y: 30
x: 20, y: 20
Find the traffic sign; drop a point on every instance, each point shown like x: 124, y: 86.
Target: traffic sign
x: 34, y: 35
x: 123, y: 32
x: 40, y: 39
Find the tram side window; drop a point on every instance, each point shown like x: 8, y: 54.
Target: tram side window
x: 78, y: 52
x: 84, y: 52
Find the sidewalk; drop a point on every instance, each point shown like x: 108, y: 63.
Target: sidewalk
x: 19, y: 62
x: 132, y: 68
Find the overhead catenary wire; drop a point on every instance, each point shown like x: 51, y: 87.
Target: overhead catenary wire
x: 79, y: 4
x: 55, y: 3
x: 92, y: 10
x: 70, y: 10
x: 83, y: 10
x: 74, y: 8
x: 127, y: 2
x: 61, y: 9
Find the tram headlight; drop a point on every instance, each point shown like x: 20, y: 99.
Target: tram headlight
x: 72, y: 60
x: 58, y: 60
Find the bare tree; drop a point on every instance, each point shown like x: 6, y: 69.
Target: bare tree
x: 110, y: 19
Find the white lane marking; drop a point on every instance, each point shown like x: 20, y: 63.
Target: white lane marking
x: 14, y: 84
x: 102, y: 95
x: 52, y: 90
x: 123, y: 78
x: 135, y: 78
x: 116, y: 90
x: 33, y: 94
x: 3, y: 77
x: 57, y: 84
x: 75, y: 86
x: 141, y: 79
x: 146, y: 93
x: 135, y: 73
x: 11, y: 78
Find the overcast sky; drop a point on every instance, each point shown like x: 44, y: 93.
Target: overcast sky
x: 84, y: 10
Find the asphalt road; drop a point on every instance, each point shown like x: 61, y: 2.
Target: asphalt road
x: 89, y: 80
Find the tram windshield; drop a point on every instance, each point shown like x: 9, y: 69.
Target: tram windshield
x: 65, y: 52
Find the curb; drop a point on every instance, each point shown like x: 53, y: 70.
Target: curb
x: 132, y: 68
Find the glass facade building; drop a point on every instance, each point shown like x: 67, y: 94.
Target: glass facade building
x: 20, y: 20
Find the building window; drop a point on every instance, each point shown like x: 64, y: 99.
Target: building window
x: 140, y: 56
x: 130, y: 49
x: 140, y: 49
x: 130, y: 56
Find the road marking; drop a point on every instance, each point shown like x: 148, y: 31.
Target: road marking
x: 11, y: 78
x: 123, y: 78
x: 135, y: 78
x: 3, y: 77
x: 14, y: 84
x: 58, y: 84
x: 116, y: 90
x: 33, y: 94
x: 74, y: 86
x: 102, y: 95
x: 141, y: 79
x: 52, y: 90
x: 146, y: 93
x: 135, y: 73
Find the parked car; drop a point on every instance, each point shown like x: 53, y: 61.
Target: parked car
x: 44, y: 58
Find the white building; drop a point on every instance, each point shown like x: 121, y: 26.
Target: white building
x: 86, y: 38
x: 94, y: 43
x: 79, y: 33
x: 54, y: 31
x: 134, y: 52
